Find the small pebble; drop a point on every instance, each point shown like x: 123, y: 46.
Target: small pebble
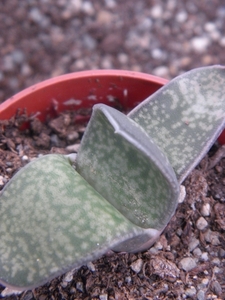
x: 128, y: 279
x: 73, y: 136
x: 54, y: 140
x: 153, y: 250
x: 216, y: 270
x: 10, y: 291
x: 201, y: 295
x: 136, y: 266
x: 205, y: 256
x: 68, y: 277
x: 181, y: 17
x: 216, y: 287
x: 179, y: 231
x: 201, y: 223
x: 182, y: 194
x: 212, y: 237
x: 72, y: 290
x: 187, y: 264
x: 222, y: 253
x: 158, y: 245
x: 156, y: 11
x: 205, y: 211
x: 197, y: 252
x: 73, y: 148
x: 87, y: 8
x: 203, y: 284
x: 200, y: 44
x: 25, y: 158
x: 161, y: 71
x: 80, y: 286
x: 216, y: 261
x: 9, y: 170
x: 1, y: 181
x: 91, y: 266
x: 190, y: 292
x: 193, y: 244
x: 103, y: 297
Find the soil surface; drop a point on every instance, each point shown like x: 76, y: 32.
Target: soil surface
x: 41, y: 39
x: 187, y: 262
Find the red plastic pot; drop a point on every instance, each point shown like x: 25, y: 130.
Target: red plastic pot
x: 81, y: 90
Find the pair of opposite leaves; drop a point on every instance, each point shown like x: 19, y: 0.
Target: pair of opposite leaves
x: 125, y: 187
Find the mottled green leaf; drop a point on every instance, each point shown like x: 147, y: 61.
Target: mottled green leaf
x: 185, y: 116
x: 51, y: 220
x: 125, y: 166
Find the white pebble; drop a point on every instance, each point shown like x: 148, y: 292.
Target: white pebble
x: 201, y: 223
x: 205, y: 211
x: 10, y: 291
x: 205, y: 256
x: 153, y: 250
x: 217, y: 270
x: 88, y: 8
x: 73, y: 148
x: 182, y: 194
x: 181, y: 17
x: 158, y: 245
x: 200, y: 44
x: 25, y: 158
x: 210, y: 26
x: 161, y: 71
x: 136, y: 266
x: 123, y: 58
x: 216, y: 261
x: 1, y: 181
x: 157, y: 53
x: 193, y: 244
x: 222, y: 42
x: 205, y: 281
x: 187, y: 264
x: 191, y: 291
x: 156, y: 11
x: 103, y: 297
x: 68, y: 277
x: 201, y: 295
x: 91, y: 266
x: 197, y: 252
x: 72, y: 136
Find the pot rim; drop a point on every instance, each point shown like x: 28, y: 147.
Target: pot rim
x: 81, y: 75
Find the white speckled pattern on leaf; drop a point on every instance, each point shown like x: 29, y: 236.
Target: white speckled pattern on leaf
x: 123, y: 164
x: 51, y: 220
x: 185, y: 117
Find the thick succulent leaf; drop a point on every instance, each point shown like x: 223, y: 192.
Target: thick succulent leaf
x: 51, y: 220
x: 185, y: 117
x: 125, y: 166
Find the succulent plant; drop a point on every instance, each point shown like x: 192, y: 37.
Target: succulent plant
x: 58, y: 213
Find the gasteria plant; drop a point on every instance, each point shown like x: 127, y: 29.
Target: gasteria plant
x: 59, y: 212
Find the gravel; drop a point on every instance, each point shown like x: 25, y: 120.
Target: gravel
x: 46, y: 38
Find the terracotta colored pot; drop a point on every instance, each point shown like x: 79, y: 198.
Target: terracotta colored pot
x: 81, y: 90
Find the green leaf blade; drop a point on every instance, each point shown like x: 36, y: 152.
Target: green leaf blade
x: 121, y: 162
x: 185, y: 116
x: 52, y: 220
